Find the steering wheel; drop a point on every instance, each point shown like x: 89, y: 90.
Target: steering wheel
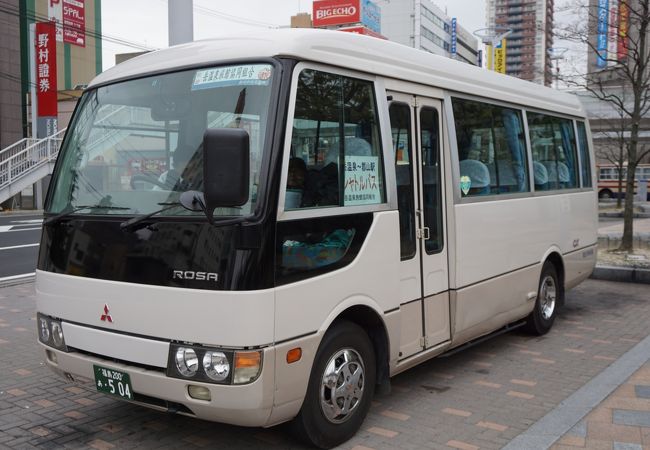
x: 143, y: 177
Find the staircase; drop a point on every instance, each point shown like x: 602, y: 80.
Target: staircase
x: 27, y: 161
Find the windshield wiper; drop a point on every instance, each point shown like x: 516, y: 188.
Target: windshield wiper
x: 62, y: 215
x: 138, y: 222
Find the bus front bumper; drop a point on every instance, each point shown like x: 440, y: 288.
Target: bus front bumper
x: 244, y: 405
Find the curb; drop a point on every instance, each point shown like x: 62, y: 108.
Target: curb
x: 17, y: 279
x: 613, y: 215
x: 621, y: 274
x: 547, y: 430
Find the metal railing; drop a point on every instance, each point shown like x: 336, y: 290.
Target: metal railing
x: 26, y: 156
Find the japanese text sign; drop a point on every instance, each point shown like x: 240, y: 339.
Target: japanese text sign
x: 74, y: 22
x: 361, y: 174
x: 45, y: 42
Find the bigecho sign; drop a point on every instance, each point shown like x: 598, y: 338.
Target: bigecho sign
x: 336, y: 12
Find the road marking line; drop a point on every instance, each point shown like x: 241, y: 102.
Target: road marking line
x: 17, y: 277
x: 28, y: 221
x: 8, y: 228
x: 19, y: 246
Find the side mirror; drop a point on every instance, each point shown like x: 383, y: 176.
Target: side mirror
x: 226, y: 171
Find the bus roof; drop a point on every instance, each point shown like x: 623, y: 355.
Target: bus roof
x: 352, y: 51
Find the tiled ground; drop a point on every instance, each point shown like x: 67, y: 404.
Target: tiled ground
x: 480, y: 398
x: 621, y: 422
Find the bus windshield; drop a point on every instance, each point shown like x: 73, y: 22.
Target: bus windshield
x: 135, y: 146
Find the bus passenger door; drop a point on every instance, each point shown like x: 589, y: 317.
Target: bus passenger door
x: 424, y: 306
x: 432, y: 233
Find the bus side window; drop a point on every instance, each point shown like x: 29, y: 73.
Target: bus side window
x: 583, y: 148
x: 491, y: 148
x: 553, y: 145
x: 400, y: 123
x: 336, y: 134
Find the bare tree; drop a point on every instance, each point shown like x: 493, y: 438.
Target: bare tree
x: 614, y: 150
x: 623, y: 82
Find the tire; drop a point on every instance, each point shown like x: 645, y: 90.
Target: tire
x: 541, y: 319
x: 605, y: 194
x: 347, y: 355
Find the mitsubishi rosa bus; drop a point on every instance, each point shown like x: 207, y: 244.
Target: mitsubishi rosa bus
x: 266, y: 228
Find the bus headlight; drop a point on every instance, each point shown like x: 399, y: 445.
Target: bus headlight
x: 43, y: 330
x: 187, y: 363
x: 216, y: 365
x: 57, y: 334
x: 213, y: 365
x: 50, y: 332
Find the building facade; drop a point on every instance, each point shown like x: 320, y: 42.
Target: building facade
x: 531, y: 37
x: 11, y: 126
x: 421, y: 24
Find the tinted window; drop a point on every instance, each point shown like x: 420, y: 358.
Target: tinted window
x: 491, y: 148
x: 335, y: 146
x: 400, y: 124
x: 583, y: 147
x: 554, y: 155
x: 431, y: 183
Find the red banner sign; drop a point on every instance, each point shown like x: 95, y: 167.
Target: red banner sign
x: 45, y: 42
x: 74, y: 22
x: 336, y: 12
x: 623, y: 29
x: 362, y: 30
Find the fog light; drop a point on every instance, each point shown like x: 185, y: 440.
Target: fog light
x: 199, y: 392
x: 187, y: 362
x: 216, y: 365
x: 57, y: 335
x: 51, y: 356
x: 44, y: 330
x: 247, y: 366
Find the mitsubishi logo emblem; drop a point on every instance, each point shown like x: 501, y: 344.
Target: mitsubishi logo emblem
x: 106, y: 316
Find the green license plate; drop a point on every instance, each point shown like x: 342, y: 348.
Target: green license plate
x: 113, y: 382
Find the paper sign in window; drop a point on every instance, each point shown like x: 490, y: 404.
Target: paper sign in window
x: 248, y: 75
x: 361, y: 174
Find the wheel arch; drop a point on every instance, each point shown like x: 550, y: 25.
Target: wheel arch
x: 369, y: 318
x: 554, y: 256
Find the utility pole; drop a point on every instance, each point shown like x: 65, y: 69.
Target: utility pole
x: 180, y: 21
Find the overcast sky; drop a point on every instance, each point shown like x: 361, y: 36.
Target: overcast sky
x: 144, y: 22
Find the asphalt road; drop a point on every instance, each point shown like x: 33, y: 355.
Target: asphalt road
x: 19, y: 239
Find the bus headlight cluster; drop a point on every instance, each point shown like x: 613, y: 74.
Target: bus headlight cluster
x: 50, y: 332
x: 213, y: 365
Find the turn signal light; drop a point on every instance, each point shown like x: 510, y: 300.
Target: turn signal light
x: 294, y: 355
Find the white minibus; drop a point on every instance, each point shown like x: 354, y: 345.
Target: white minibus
x: 266, y: 228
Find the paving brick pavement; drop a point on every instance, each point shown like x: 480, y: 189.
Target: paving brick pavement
x: 479, y: 398
x: 620, y: 422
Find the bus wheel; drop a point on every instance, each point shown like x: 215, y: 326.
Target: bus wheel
x: 548, y: 294
x: 605, y: 194
x: 340, y: 387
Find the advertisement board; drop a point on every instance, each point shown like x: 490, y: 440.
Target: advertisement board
x: 623, y: 28
x: 74, y: 22
x: 454, y: 36
x: 500, y: 57
x: 328, y: 13
x: 601, y: 33
x: 499, y: 63
x: 362, y: 30
x: 336, y: 12
x: 612, y: 36
x: 371, y: 16
x: 45, y: 71
x: 55, y: 14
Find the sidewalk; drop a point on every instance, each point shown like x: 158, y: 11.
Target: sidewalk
x: 611, y: 411
x: 621, y: 422
x: 609, y: 235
